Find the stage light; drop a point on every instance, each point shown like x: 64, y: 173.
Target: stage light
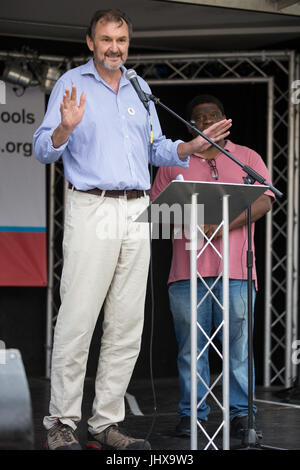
x: 17, y: 75
x: 50, y: 76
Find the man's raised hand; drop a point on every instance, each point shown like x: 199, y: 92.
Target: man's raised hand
x: 71, y: 113
x: 71, y: 116
x: 216, y: 132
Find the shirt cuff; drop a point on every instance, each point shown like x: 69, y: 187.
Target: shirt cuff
x: 56, y: 150
x: 182, y: 162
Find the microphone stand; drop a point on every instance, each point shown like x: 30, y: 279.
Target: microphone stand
x: 250, y: 438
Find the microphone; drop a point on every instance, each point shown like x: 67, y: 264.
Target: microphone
x: 131, y: 75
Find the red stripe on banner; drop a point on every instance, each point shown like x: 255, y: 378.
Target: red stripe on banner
x: 23, y: 259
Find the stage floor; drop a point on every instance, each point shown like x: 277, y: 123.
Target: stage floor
x: 278, y: 419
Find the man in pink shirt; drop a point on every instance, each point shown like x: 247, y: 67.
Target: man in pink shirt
x: 213, y: 166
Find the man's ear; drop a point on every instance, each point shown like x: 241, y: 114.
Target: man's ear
x: 90, y: 43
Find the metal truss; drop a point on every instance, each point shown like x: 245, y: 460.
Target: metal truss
x: 278, y: 69
x: 222, y: 331
x: 57, y: 185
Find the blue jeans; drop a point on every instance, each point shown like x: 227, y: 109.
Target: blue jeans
x: 209, y: 314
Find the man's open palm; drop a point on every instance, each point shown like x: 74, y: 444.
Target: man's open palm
x: 71, y: 113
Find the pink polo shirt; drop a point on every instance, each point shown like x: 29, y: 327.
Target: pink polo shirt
x: 209, y: 263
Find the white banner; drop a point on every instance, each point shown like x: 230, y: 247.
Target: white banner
x: 22, y: 184
x: 22, y: 177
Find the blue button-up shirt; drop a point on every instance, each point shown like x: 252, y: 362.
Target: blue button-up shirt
x: 109, y: 149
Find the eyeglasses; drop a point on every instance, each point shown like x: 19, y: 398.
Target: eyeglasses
x: 213, y: 169
x: 201, y: 118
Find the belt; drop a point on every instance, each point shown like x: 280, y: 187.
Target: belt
x: 129, y: 193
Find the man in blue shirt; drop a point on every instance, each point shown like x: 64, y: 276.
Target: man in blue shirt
x: 104, y: 142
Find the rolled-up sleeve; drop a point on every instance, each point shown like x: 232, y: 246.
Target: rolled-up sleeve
x: 164, y: 150
x: 42, y: 138
x: 165, y: 153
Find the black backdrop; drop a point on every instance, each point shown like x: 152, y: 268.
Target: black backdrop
x: 23, y: 310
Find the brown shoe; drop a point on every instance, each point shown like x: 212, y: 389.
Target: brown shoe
x: 61, y: 437
x: 113, y: 439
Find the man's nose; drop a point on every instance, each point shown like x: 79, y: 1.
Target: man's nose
x: 114, y: 46
x: 209, y: 121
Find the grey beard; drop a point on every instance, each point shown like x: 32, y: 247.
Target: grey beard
x: 103, y: 63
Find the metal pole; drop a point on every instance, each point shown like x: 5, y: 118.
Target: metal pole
x: 289, y: 248
x: 193, y: 332
x: 198, y: 81
x: 206, y: 56
x: 268, y: 241
x: 49, y: 326
x: 226, y: 438
x: 295, y: 332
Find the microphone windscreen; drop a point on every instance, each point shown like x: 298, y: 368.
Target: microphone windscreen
x: 130, y: 74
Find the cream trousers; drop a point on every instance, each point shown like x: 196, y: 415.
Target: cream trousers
x: 106, y: 259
